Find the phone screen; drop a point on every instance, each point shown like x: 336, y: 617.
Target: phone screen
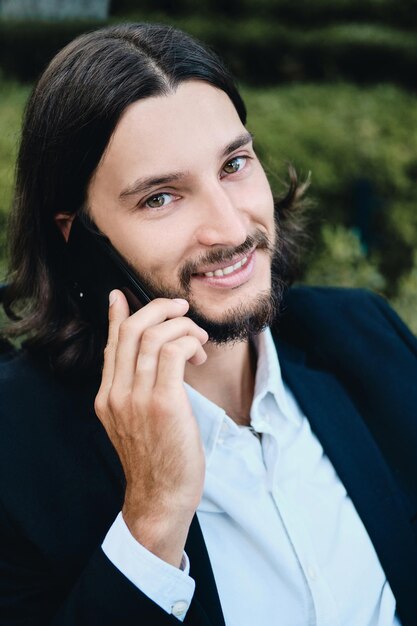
x: 94, y: 268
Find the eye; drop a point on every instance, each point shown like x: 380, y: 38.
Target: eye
x: 158, y: 201
x: 235, y: 165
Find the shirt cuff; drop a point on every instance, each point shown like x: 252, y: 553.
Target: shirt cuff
x: 169, y: 587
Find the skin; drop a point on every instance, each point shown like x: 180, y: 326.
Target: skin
x: 214, y: 205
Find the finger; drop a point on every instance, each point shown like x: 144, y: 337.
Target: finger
x: 118, y: 312
x: 172, y: 359
x: 152, y: 341
x: 130, y: 334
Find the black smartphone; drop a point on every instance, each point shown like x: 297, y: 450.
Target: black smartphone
x: 94, y: 268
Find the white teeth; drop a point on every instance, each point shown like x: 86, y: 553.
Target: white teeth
x: 227, y: 270
x: 240, y: 263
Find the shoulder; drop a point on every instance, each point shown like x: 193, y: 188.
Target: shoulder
x: 349, y: 322
x: 16, y: 367
x: 36, y: 409
x: 27, y: 383
x: 27, y: 380
x: 328, y: 310
x: 326, y: 301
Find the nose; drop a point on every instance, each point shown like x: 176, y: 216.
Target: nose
x: 221, y: 219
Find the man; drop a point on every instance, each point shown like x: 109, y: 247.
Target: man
x: 211, y: 489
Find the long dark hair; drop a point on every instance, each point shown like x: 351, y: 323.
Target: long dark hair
x: 69, y: 119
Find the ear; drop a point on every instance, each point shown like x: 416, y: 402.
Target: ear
x: 64, y: 222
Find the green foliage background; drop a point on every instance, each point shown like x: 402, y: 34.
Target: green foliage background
x: 12, y: 99
x: 351, y: 136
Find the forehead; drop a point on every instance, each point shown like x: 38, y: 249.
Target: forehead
x: 177, y: 129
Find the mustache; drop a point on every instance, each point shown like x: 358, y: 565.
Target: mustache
x: 222, y: 255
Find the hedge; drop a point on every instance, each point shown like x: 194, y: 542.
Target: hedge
x: 360, y: 145
x: 259, y: 52
x: 27, y: 46
x: 302, y: 13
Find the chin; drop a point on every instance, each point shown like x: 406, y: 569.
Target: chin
x: 249, y: 316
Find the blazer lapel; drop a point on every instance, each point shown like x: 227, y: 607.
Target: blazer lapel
x: 200, y: 569
x: 361, y: 467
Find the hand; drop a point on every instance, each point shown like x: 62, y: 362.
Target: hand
x: 144, y: 408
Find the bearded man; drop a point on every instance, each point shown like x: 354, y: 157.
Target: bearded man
x: 245, y: 452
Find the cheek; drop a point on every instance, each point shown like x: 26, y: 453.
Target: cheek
x: 156, y: 250
x: 264, y: 187
x: 260, y: 201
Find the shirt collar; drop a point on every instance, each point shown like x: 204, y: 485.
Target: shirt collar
x: 211, y: 418
x: 268, y: 373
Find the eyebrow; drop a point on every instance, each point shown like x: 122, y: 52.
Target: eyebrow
x: 237, y: 143
x: 142, y: 185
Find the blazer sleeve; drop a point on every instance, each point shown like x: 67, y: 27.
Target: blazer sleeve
x: 59, y: 493
x: 100, y: 594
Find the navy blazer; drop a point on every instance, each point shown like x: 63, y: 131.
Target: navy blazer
x: 352, y: 365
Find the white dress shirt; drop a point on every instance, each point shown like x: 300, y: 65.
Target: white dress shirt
x: 285, y: 542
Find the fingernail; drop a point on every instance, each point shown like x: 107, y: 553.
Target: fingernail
x: 112, y: 297
x: 180, y: 301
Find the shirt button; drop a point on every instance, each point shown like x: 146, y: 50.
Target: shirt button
x: 179, y: 608
x: 311, y: 572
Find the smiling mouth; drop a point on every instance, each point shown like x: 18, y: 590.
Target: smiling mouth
x: 224, y: 271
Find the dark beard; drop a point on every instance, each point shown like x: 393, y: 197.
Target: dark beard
x: 240, y: 322
x: 244, y: 320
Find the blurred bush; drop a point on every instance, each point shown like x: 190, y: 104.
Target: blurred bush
x: 288, y: 12
x: 340, y: 259
x: 12, y: 100
x: 406, y: 300
x: 258, y: 49
x: 360, y: 145
x: 27, y: 46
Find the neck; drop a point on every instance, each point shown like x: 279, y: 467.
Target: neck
x: 227, y: 378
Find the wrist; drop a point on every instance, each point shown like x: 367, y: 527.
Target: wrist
x: 163, y: 534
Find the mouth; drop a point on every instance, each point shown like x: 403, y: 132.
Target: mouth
x: 228, y: 267
x: 230, y: 274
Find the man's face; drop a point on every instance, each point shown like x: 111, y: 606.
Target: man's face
x: 183, y: 197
